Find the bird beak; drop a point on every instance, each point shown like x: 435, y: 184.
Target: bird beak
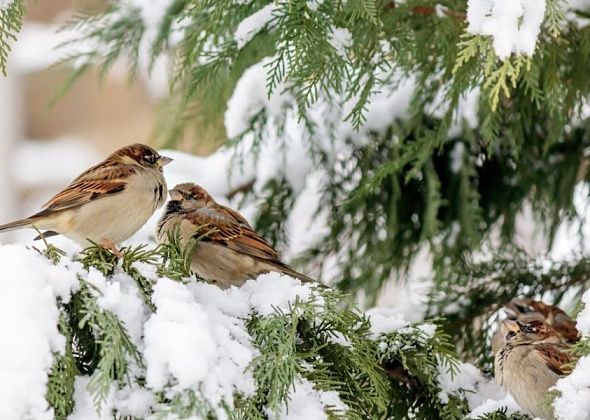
x: 511, y: 325
x: 175, y: 195
x: 164, y: 160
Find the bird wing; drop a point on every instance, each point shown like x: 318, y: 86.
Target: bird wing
x: 101, y: 180
x: 553, y: 356
x: 223, y: 227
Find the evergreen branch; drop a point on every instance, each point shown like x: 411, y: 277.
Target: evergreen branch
x: 116, y: 350
x: 11, y: 21
x: 60, y: 383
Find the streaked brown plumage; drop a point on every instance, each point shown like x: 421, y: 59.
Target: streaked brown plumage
x: 230, y: 251
x: 108, y: 202
x: 526, y: 310
x: 531, y: 361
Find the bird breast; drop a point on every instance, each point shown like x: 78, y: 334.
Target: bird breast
x: 519, y: 372
x: 119, y: 216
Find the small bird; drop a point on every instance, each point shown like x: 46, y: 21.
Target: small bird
x: 107, y: 203
x: 531, y: 361
x: 527, y: 309
x: 229, y: 251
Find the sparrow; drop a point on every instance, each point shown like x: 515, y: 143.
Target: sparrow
x: 531, y: 361
x: 526, y: 310
x: 228, y: 251
x: 108, y: 202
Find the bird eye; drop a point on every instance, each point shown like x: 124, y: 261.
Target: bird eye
x: 529, y: 329
x: 149, y: 158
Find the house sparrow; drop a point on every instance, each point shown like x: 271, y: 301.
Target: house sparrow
x: 229, y: 251
x: 107, y: 203
x: 530, y: 362
x: 526, y: 310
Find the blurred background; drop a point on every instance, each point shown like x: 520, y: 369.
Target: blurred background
x: 47, y: 141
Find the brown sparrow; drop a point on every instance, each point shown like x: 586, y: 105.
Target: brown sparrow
x: 530, y: 362
x: 107, y: 203
x: 526, y: 310
x: 229, y: 251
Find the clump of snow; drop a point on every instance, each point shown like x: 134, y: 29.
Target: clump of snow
x: 384, y: 320
x: 305, y: 402
x: 341, y: 40
x: 253, y: 24
x: 201, y: 319
x: 29, y: 336
x: 174, y: 335
x: 513, y: 24
x: 5, y: 4
x: 250, y: 97
x: 574, y: 400
x: 314, y: 4
x: 491, y: 405
x: 84, y: 409
x: 482, y: 395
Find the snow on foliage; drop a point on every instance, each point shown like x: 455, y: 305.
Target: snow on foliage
x: 513, y: 24
x: 253, y: 24
x: 5, y: 4
x: 29, y: 287
x: 573, y: 402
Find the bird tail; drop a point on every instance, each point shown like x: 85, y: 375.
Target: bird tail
x: 17, y: 224
x: 285, y: 269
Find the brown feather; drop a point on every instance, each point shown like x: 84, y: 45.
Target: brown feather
x: 103, y: 179
x: 553, y: 355
x: 220, y: 228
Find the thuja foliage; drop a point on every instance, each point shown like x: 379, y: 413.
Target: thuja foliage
x: 324, y: 340
x: 421, y: 182
x: 415, y: 184
x: 11, y: 20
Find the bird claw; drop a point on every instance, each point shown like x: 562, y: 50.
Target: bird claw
x: 111, y: 247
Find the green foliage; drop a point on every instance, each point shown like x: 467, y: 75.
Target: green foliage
x: 60, y: 384
x: 323, y: 339
x: 470, y: 294
x: 11, y: 21
x: 404, y: 192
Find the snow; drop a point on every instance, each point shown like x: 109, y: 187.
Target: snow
x: 174, y: 335
x: 491, y: 405
x: 201, y: 319
x: 250, y: 97
x: 483, y: 395
x: 384, y: 320
x: 514, y: 25
x: 314, y: 5
x: 253, y: 24
x: 341, y: 40
x: 5, y: 4
x: 28, y: 329
x: 84, y: 408
x: 573, y: 402
x: 307, y: 403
